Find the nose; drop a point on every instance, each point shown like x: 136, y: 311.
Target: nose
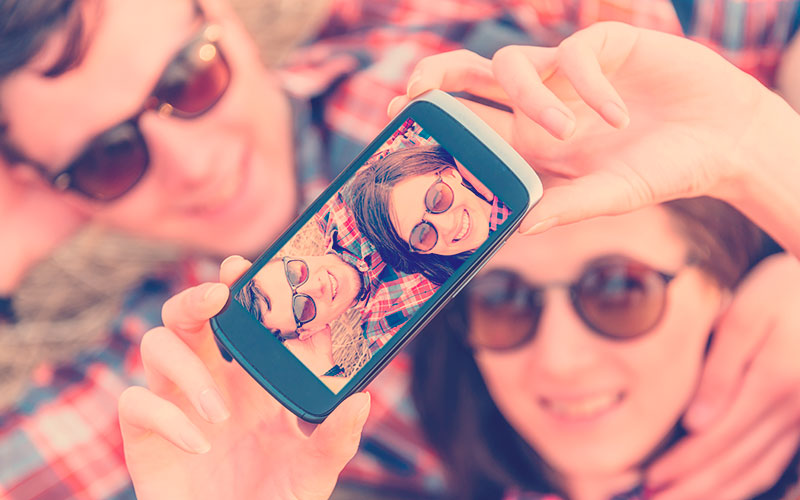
x: 445, y: 222
x: 315, y: 284
x: 564, y: 349
x: 184, y: 153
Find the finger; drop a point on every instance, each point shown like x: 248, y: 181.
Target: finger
x: 142, y: 413
x: 456, y: 71
x: 577, y: 59
x: 188, y: 312
x: 331, y: 445
x: 739, y: 335
x: 520, y: 70
x: 232, y: 268
x: 169, y: 362
x: 737, y: 461
x: 762, y: 476
x: 602, y: 193
x: 744, y: 418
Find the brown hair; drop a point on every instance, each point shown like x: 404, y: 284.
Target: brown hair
x: 370, y: 193
x: 482, y: 453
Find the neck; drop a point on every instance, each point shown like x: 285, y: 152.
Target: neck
x: 599, y: 487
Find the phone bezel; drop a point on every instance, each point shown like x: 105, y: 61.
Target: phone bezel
x: 484, y: 154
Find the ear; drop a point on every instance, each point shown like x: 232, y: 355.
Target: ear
x: 451, y: 173
x: 305, y: 333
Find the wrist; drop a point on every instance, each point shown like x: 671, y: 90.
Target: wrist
x: 765, y: 171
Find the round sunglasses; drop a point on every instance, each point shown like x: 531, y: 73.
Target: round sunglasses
x: 303, y: 306
x: 115, y: 160
x: 438, y: 199
x: 615, y: 296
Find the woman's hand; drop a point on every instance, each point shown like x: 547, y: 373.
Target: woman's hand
x: 745, y: 419
x: 631, y: 117
x: 205, y: 429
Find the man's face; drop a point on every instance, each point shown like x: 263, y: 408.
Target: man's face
x: 221, y: 182
x: 332, y: 284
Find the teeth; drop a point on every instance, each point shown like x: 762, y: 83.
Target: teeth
x: 583, y: 408
x: 464, y: 226
x: 334, y: 285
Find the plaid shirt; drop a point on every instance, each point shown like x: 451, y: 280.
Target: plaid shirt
x: 392, y: 296
x: 61, y: 440
x: 498, y: 215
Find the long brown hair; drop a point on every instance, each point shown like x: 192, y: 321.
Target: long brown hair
x: 370, y: 193
x: 483, y: 455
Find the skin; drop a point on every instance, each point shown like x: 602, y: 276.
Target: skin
x: 468, y: 211
x: 332, y: 283
x: 592, y: 407
x: 208, y: 177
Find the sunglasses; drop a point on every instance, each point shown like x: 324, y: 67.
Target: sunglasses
x: 617, y: 297
x: 438, y: 199
x: 303, y: 306
x: 115, y: 160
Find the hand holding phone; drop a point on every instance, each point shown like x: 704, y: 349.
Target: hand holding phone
x: 364, y: 268
x: 183, y: 441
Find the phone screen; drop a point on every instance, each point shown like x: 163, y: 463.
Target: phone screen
x: 352, y: 276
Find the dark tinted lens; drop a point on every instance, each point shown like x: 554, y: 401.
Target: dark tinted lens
x: 304, y: 308
x: 112, y: 164
x: 503, y: 310
x: 423, y: 237
x: 296, y: 272
x: 621, y: 298
x: 438, y: 198
x: 195, y: 80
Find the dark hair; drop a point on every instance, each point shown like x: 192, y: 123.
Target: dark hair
x: 25, y: 26
x: 370, y: 192
x: 253, y: 299
x: 483, y: 454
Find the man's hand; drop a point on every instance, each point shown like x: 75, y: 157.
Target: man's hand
x: 745, y: 418
x: 205, y: 429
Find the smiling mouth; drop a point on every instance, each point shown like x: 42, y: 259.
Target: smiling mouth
x: 583, y: 408
x: 334, y: 285
x: 466, y: 224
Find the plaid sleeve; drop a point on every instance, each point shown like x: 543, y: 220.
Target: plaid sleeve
x: 62, y: 439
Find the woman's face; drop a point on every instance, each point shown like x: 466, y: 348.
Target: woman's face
x: 591, y: 405
x: 461, y: 228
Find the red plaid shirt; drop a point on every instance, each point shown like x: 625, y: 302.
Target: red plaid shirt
x: 392, y: 296
x: 61, y: 440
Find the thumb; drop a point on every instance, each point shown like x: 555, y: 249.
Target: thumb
x: 592, y: 195
x: 332, y: 444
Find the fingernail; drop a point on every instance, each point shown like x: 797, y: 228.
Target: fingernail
x: 215, y: 292
x: 541, y: 226
x: 557, y: 122
x: 194, y: 441
x: 212, y: 406
x: 230, y: 258
x: 363, y: 413
x: 391, y: 105
x: 615, y: 114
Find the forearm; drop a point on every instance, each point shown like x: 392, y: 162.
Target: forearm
x: 768, y: 191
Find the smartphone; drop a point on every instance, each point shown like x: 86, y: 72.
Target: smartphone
x: 363, y: 269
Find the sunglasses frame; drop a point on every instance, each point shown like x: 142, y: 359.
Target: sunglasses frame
x: 537, y: 294
x: 63, y: 180
x: 286, y: 261
x: 424, y: 222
